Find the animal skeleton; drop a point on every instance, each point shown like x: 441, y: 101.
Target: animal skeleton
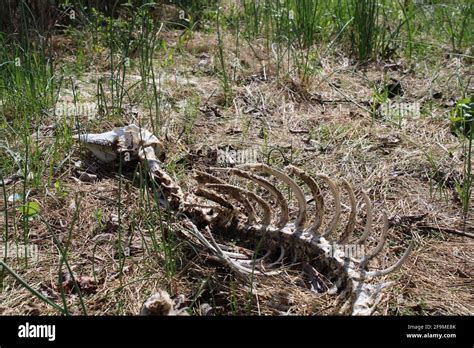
x: 233, y: 215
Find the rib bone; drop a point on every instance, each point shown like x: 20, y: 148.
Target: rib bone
x: 277, y: 195
x: 230, y: 189
x: 368, y: 224
x: 317, y: 197
x: 352, y: 215
x: 301, y: 219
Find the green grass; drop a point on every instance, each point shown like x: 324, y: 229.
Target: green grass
x: 463, y: 124
x: 365, y: 31
x: 224, y: 75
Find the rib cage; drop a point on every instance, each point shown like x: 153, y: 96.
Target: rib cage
x: 219, y: 192
x: 301, y: 238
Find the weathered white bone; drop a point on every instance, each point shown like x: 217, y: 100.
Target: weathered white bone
x: 160, y: 304
x: 317, y: 197
x: 367, y: 298
x: 232, y: 255
x: 205, y: 178
x: 277, y: 195
x: 301, y: 219
x: 280, y: 257
x: 267, y: 210
x: 136, y: 138
x: 380, y: 244
x: 260, y: 259
x: 368, y: 223
x: 173, y: 193
x: 237, y: 194
x: 213, y: 246
x: 107, y: 146
x: 212, y: 196
x: 365, y: 275
x: 103, y: 145
x: 352, y: 215
x: 259, y: 263
x: 337, y: 204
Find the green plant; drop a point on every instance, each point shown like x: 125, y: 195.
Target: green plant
x: 462, y: 120
x: 119, y: 34
x: 223, y: 74
x: 365, y: 31
x: 63, y: 252
x: 457, y: 23
x: 191, y: 111
x: 379, y: 99
x: 5, y: 234
x: 147, y: 46
x: 408, y: 11
x: 98, y: 215
x: 462, y: 117
x: 157, y: 219
x: 291, y: 28
x: 30, y: 209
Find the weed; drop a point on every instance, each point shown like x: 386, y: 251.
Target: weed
x: 463, y: 124
x: 224, y: 77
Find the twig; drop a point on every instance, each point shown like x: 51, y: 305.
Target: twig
x: 445, y: 229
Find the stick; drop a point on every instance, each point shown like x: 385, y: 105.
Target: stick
x: 445, y: 229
